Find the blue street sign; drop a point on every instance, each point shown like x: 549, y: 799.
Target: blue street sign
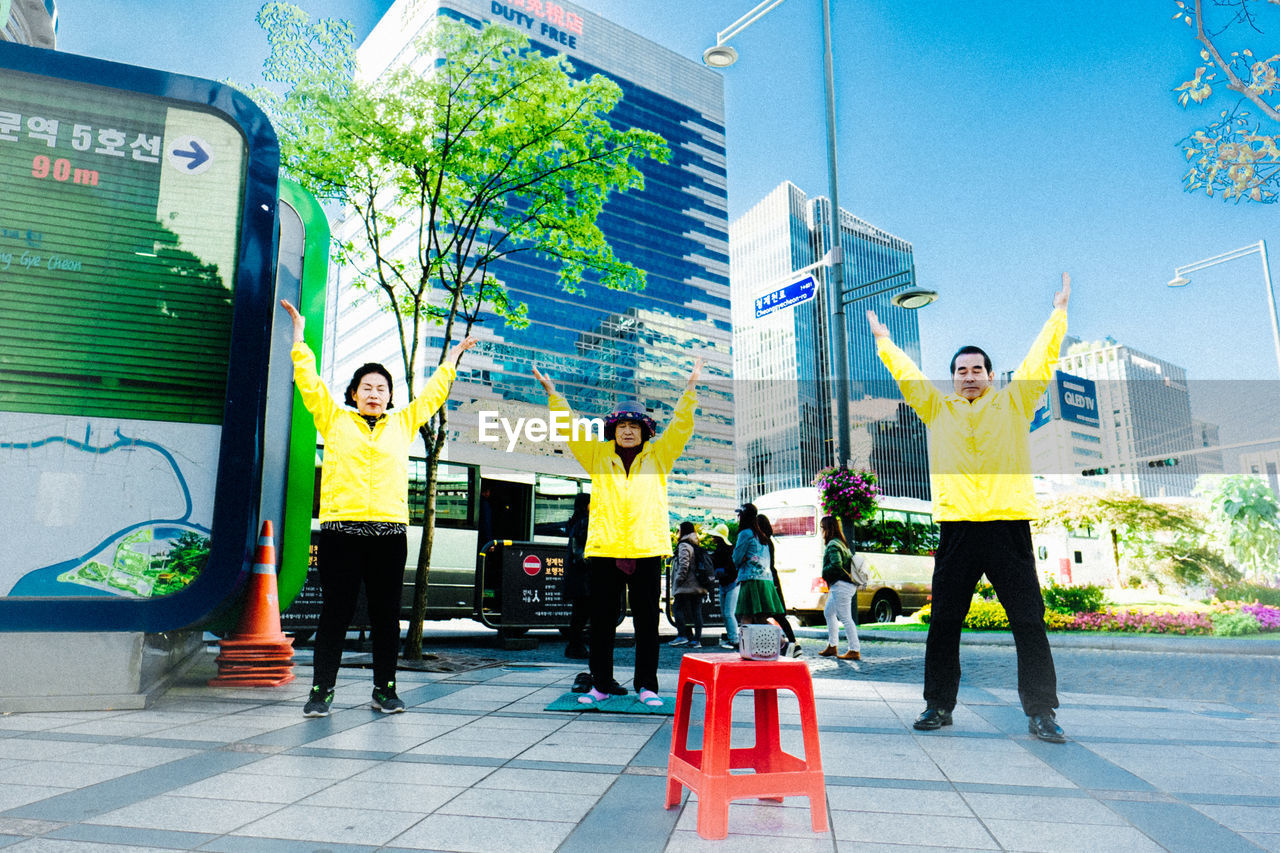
x: 793, y: 294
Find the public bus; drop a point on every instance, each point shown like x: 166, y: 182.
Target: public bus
x: 473, y: 502
x: 898, y: 545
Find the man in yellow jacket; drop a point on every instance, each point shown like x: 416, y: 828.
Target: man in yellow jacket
x: 983, y: 499
x: 629, y: 533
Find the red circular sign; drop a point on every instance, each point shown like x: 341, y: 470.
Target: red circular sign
x: 532, y: 565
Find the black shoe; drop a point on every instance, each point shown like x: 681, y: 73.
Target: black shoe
x: 614, y: 689
x: 582, y: 683
x: 386, y: 700
x: 932, y: 719
x: 318, y: 702
x: 577, y: 651
x: 1045, y: 726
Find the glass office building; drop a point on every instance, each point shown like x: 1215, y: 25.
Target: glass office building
x: 781, y: 361
x: 602, y: 345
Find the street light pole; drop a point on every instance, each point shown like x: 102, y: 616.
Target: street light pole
x: 1180, y: 280
x: 721, y: 55
x: 835, y: 284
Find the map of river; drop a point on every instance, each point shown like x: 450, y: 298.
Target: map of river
x: 104, y: 507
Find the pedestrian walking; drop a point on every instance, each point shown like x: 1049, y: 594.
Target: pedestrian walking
x: 758, y: 599
x: 686, y: 592
x: 364, y: 509
x: 842, y: 591
x: 983, y: 498
x: 629, y: 534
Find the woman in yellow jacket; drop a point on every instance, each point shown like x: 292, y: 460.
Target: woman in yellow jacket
x: 364, y: 509
x: 630, y: 529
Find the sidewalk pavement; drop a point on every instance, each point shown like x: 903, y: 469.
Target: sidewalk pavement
x: 476, y: 764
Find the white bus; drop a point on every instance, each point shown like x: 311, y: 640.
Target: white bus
x: 474, y: 504
x: 898, y: 546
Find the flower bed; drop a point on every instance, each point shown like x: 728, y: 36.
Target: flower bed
x: 1227, y: 620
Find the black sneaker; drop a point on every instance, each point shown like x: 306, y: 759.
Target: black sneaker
x: 318, y: 702
x: 386, y: 700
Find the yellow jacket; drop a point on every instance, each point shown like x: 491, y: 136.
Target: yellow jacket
x: 629, y: 510
x: 979, y: 456
x: 365, y: 473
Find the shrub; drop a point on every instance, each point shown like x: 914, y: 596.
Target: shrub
x: 1083, y: 598
x: 985, y: 591
x: 1268, y: 618
x: 1055, y: 621
x: 986, y: 616
x: 1268, y: 595
x: 1234, y: 624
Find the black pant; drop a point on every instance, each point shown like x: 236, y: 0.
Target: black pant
x: 688, y: 607
x: 607, y: 583
x: 1001, y: 549
x: 344, y: 560
x: 579, y: 616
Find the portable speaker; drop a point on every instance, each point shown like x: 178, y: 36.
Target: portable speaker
x: 759, y: 642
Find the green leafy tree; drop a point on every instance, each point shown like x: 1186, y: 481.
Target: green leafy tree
x: 1236, y: 155
x: 1156, y: 542
x: 473, y: 149
x: 1246, y: 519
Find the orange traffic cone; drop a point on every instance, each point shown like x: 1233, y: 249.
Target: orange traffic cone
x: 258, y: 653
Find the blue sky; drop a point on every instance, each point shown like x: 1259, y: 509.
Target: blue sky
x: 1007, y: 142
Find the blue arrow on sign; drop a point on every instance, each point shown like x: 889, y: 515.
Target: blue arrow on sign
x: 196, y: 155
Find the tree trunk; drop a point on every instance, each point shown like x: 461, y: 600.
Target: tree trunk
x: 1115, y: 553
x: 413, y: 641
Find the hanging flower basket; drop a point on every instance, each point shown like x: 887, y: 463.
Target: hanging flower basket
x: 849, y: 495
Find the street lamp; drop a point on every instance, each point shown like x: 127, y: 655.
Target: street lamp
x: 1180, y: 280
x: 722, y: 55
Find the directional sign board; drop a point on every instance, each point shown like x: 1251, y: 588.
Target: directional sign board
x: 1077, y: 399
x: 1069, y: 398
x: 137, y: 236
x: 793, y: 294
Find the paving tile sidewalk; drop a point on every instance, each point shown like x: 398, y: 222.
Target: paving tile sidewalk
x: 477, y: 765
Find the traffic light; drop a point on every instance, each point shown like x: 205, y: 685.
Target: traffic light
x: 1093, y: 472
x: 1162, y: 463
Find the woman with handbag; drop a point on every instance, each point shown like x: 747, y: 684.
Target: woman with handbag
x: 842, y: 590
x: 686, y: 589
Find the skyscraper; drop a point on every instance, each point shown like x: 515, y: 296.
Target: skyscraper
x: 1144, y: 411
x: 33, y: 22
x: 785, y: 421
x: 602, y: 345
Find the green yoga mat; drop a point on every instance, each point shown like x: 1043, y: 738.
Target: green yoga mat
x: 628, y: 704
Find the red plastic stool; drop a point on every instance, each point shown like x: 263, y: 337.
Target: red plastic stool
x: 777, y: 774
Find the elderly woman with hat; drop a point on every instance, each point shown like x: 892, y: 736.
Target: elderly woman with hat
x: 629, y: 533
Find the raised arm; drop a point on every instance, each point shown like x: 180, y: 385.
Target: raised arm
x: 916, y: 389
x: 315, y: 396
x: 1035, y: 371
x: 668, y: 446
x: 584, y: 449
